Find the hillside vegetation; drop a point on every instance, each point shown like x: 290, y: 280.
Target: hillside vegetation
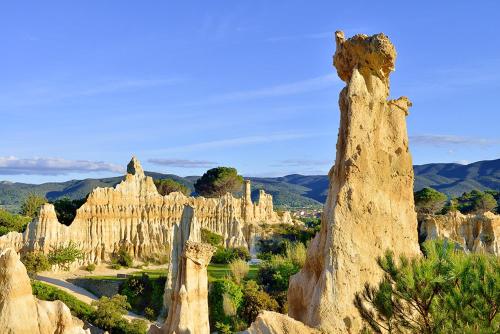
x: 288, y: 191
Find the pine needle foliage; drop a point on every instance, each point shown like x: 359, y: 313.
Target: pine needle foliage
x: 446, y: 291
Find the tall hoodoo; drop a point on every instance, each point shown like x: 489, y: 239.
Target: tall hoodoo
x: 370, y: 207
x: 186, y: 289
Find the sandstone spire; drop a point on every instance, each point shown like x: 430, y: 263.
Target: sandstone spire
x: 20, y: 312
x: 370, y: 202
x: 186, y: 289
x: 134, y: 167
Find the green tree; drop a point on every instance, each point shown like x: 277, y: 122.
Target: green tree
x: 32, y: 204
x: 35, y: 262
x: 476, y: 202
x: 219, y: 181
x: 123, y: 258
x: 446, y: 291
x: 429, y: 200
x: 167, y: 186
x: 63, y: 256
x: 66, y: 209
x: 109, y: 311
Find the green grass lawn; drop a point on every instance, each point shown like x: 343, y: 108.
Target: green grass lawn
x: 219, y: 271
x: 215, y: 272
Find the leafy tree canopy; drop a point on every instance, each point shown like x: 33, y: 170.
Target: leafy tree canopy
x: 429, y: 200
x: 476, y: 202
x: 11, y: 222
x: 167, y: 186
x: 219, y: 181
x: 32, y: 204
x: 66, y: 209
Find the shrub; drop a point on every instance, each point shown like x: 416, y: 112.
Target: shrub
x: 227, y: 255
x: 145, y: 294
x: 445, y: 292
x: 254, y: 301
x: 12, y: 223
x: 239, y: 270
x: 109, y: 311
x: 274, y: 274
x: 63, y: 256
x: 90, y: 267
x: 296, y: 252
x: 233, y: 294
x: 136, y: 326
x: 123, y: 258
x: 211, y: 238
x: 115, y: 266
x: 35, y: 262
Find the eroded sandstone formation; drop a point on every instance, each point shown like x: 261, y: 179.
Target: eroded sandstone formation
x: 473, y: 232
x: 276, y: 323
x: 186, y: 288
x: 135, y: 217
x: 370, y: 207
x: 21, y: 312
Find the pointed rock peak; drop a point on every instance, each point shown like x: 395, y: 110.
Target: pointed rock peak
x: 134, y: 167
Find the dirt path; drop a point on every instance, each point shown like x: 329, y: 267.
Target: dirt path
x: 80, y: 293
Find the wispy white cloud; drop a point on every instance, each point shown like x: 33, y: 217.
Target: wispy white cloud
x: 53, y: 166
x: 183, y: 163
x: 293, y: 88
x: 236, y: 142
x: 441, y: 140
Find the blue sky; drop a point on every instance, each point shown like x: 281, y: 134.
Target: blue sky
x: 188, y: 85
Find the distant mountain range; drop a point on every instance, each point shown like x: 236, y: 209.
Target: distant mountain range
x: 290, y: 191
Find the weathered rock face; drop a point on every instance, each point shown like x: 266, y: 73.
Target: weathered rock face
x: 134, y: 216
x: 474, y: 233
x: 276, y: 323
x: 21, y: 312
x: 186, y: 288
x: 370, y: 207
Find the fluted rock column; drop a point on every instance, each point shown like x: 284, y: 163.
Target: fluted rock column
x: 370, y: 207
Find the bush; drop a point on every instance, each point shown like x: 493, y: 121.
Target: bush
x: 447, y: 291
x: 254, y: 301
x: 274, y: 274
x: 233, y: 294
x: 35, y: 262
x: 145, y: 294
x: 90, y: 267
x: 123, y: 258
x: 136, y: 326
x: 211, y: 238
x: 239, y: 270
x: 109, y: 311
x: 115, y: 266
x: 227, y: 255
x: 12, y: 223
x: 63, y: 256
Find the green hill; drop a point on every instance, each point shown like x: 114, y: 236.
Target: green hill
x: 288, y: 191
